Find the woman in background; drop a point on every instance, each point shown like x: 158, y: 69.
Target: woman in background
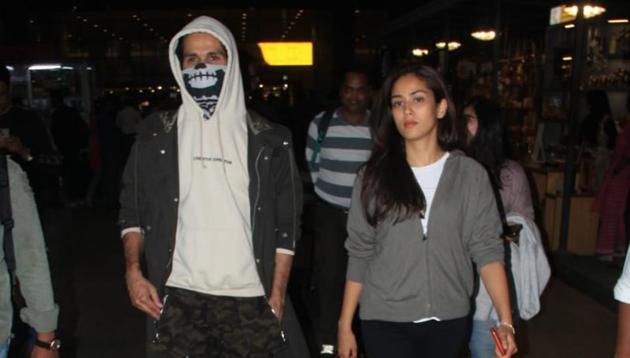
x: 484, y: 135
x: 612, y: 198
x: 421, y: 214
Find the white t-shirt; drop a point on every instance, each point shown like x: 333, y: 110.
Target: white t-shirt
x: 622, y: 288
x: 428, y: 178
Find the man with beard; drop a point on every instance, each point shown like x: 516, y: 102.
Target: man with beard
x: 338, y: 144
x: 212, y: 198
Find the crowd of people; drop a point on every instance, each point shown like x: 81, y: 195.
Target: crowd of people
x: 425, y: 242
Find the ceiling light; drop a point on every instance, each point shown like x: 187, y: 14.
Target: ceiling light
x: 567, y: 58
x: 44, y: 67
x: 484, y: 35
x: 569, y: 26
x: 592, y: 11
x: 419, y: 52
x: 571, y: 10
x: 454, y: 45
x: 440, y: 44
x: 567, y: 13
x: 618, y: 21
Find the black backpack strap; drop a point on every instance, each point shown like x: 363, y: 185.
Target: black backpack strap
x: 322, y: 128
x: 6, y: 216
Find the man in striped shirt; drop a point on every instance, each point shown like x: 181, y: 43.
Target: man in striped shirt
x: 333, y: 163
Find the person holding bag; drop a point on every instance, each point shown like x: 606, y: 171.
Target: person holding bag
x: 483, y: 132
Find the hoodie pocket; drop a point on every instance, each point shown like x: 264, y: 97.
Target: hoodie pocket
x: 395, y: 272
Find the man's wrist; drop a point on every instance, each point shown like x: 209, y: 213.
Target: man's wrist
x: 133, y: 269
x: 46, y: 336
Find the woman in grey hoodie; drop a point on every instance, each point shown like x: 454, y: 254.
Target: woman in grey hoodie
x: 421, y: 214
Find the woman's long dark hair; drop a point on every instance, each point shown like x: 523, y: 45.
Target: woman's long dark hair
x: 389, y: 186
x: 488, y: 146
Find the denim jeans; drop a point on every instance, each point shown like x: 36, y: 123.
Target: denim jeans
x: 481, y: 344
x: 4, y: 349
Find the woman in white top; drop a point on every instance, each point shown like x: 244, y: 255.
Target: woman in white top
x: 421, y: 213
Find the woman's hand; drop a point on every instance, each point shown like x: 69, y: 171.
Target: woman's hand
x: 346, y: 344
x: 507, y: 340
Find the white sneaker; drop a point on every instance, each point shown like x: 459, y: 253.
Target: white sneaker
x: 327, y: 349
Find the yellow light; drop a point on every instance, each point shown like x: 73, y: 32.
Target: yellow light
x: 287, y: 53
x: 440, y: 44
x: 592, y: 11
x: 570, y: 10
x: 569, y: 26
x: 488, y: 35
x: 567, y: 13
x: 419, y: 52
x: 618, y: 21
x: 454, y: 45
x: 567, y: 58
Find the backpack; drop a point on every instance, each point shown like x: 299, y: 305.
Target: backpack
x: 324, y: 123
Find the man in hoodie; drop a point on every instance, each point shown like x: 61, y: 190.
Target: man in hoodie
x: 211, y: 197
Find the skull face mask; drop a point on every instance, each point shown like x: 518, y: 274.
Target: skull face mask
x: 204, y: 83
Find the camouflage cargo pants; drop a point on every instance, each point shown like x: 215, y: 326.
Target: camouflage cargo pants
x: 199, y: 325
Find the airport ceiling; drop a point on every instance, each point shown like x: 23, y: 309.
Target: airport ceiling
x: 252, y: 21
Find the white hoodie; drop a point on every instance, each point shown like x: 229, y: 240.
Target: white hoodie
x: 213, y: 250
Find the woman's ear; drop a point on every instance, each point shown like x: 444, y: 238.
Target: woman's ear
x: 442, y: 108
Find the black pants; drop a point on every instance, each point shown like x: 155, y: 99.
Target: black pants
x: 330, y: 260
x: 442, y: 339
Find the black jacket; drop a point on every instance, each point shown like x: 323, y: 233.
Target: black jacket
x: 150, y: 195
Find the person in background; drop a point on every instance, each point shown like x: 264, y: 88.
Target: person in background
x: 127, y: 120
x: 421, y: 214
x: 598, y: 133
x: 612, y: 198
x: 484, y: 136
x: 28, y: 142
x: 338, y: 143
x: 70, y: 133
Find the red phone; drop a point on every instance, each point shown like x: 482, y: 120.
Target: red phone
x: 497, y: 341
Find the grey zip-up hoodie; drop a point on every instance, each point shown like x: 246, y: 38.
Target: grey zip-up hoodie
x: 407, y: 276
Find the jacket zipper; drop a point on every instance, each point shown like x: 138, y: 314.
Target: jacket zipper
x: 260, y: 152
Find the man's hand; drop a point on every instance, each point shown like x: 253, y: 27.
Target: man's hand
x: 39, y: 352
x: 143, y: 294
x: 277, y: 305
